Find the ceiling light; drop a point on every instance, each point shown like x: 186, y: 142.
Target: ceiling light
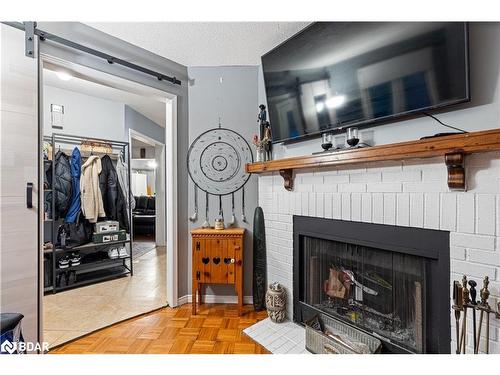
x: 335, y: 101
x: 64, y: 76
x: 320, y: 106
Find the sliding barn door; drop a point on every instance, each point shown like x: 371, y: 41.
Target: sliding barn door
x: 19, y: 251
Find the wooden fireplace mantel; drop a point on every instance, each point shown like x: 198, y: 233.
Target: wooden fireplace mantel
x: 452, y: 147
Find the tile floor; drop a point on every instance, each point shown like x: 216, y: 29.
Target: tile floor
x: 282, y: 338
x: 73, y: 313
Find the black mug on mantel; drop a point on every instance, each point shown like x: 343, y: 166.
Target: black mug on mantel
x: 327, y: 141
x: 352, y: 136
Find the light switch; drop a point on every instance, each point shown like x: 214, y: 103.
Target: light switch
x: 57, y: 116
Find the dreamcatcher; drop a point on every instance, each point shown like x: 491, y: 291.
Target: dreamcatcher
x: 216, y: 164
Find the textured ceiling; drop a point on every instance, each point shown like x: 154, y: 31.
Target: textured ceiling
x: 205, y: 43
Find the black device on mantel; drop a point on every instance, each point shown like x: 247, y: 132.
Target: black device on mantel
x: 335, y: 75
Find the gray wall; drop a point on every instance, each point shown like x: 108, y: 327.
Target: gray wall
x: 84, y: 115
x: 137, y: 121
x: 483, y: 112
x: 136, y: 151
x: 91, y: 116
x: 235, y: 101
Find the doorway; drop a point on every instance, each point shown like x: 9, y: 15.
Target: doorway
x: 148, y: 187
x: 99, y: 110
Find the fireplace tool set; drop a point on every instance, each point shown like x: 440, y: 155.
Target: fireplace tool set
x: 464, y: 299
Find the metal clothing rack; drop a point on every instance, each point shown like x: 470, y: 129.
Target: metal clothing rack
x: 102, y: 270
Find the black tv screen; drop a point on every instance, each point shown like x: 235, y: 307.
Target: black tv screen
x: 333, y: 75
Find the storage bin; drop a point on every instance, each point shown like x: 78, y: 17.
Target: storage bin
x: 120, y: 235
x: 107, y: 226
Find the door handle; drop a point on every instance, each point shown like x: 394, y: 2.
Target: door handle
x: 29, y: 194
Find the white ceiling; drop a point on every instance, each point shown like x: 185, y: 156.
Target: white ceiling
x: 205, y: 43
x: 101, y: 85
x: 137, y: 143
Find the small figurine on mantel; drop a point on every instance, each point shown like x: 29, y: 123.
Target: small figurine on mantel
x: 263, y: 142
x: 268, y: 146
x: 262, y: 119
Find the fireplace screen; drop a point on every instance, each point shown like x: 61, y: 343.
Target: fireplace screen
x: 378, y: 290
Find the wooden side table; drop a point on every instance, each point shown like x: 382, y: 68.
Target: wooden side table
x: 217, y: 259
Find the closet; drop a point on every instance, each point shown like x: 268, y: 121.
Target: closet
x: 87, y: 220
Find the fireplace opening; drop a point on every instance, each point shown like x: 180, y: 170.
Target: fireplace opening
x: 374, y: 288
x: 392, y: 282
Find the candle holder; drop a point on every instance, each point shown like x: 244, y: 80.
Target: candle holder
x: 327, y: 141
x: 352, y: 137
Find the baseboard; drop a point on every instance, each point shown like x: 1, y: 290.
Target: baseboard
x: 211, y: 298
x: 183, y: 300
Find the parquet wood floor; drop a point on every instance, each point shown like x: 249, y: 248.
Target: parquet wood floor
x: 217, y: 329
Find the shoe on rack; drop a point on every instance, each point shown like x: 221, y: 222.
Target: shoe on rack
x: 70, y: 277
x: 64, y: 262
x: 113, y: 253
x: 75, y: 259
x: 66, y: 278
x: 59, y: 279
x: 62, y: 279
x: 122, y: 252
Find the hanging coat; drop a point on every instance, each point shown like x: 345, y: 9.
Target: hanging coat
x: 75, y: 204
x: 112, y: 194
x: 122, y: 171
x: 47, y: 184
x: 62, y: 184
x: 91, y: 198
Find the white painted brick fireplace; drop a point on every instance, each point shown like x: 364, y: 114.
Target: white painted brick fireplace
x: 412, y: 193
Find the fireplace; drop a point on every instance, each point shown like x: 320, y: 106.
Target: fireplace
x: 390, y: 281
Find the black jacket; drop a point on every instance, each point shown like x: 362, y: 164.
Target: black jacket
x: 47, y: 185
x: 112, y: 195
x: 62, y: 184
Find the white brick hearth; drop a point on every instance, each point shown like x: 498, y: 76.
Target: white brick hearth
x: 282, y: 338
x: 412, y: 193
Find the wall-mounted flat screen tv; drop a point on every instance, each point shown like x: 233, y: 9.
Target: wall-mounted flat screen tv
x: 333, y: 75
